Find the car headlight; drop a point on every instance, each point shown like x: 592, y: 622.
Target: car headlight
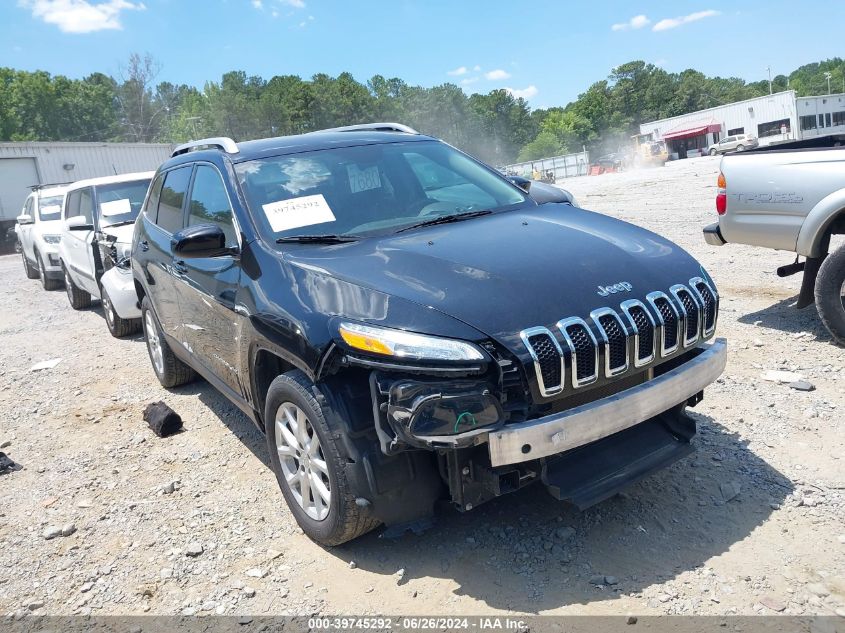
x: 52, y: 239
x: 400, y: 344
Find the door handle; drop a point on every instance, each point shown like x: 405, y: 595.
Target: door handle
x: 144, y: 245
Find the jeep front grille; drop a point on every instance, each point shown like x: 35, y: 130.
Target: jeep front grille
x: 548, y: 359
x: 613, y: 341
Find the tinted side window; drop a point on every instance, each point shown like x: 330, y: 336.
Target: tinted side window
x: 210, y: 204
x: 27, y: 207
x: 81, y: 203
x: 151, y: 209
x: 172, y: 198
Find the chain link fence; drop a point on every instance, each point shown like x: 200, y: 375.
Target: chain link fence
x: 560, y: 167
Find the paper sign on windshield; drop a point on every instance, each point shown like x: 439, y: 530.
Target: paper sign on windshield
x: 296, y: 212
x: 116, y: 207
x: 363, y: 179
x: 51, y: 209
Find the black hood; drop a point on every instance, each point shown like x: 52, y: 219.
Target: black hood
x: 509, y: 271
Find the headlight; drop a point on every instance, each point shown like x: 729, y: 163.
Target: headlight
x: 52, y: 239
x: 401, y: 344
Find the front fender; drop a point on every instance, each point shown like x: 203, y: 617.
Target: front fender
x: 817, y: 222
x: 120, y: 285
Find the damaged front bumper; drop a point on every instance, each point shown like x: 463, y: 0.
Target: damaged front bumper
x: 596, y: 420
x: 120, y: 286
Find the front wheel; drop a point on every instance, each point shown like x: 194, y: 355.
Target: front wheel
x: 309, y: 462
x: 30, y: 270
x: 46, y: 282
x: 170, y: 371
x: 830, y: 294
x: 117, y: 327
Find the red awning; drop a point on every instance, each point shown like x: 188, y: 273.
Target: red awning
x: 693, y: 131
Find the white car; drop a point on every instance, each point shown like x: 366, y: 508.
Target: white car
x: 98, y: 220
x: 39, y: 231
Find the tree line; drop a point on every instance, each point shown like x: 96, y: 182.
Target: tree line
x: 497, y: 127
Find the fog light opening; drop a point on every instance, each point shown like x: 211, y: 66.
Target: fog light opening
x: 526, y: 448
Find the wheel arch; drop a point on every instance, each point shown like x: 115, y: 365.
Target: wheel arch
x: 825, y: 219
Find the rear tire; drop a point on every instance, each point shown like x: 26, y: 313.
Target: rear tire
x: 170, y: 371
x: 830, y: 294
x: 740, y: 148
x: 79, y: 299
x: 713, y: 152
x: 293, y: 420
x: 117, y: 327
x: 30, y: 270
x: 46, y: 282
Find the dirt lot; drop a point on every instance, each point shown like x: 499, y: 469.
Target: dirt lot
x: 751, y: 523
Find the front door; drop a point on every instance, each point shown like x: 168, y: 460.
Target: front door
x: 209, y: 286
x: 77, y: 249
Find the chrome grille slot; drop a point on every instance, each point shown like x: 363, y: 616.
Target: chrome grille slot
x: 669, y: 319
x: 614, y: 339
x: 643, y: 325
x: 690, y: 311
x: 548, y: 359
x: 583, y: 349
x: 709, y: 300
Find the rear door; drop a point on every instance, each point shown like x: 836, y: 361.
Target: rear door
x: 25, y: 230
x: 207, y: 287
x: 77, y: 244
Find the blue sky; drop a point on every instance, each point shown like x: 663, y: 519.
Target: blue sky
x: 548, y: 52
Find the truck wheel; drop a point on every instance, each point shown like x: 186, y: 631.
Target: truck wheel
x: 30, y: 270
x: 46, y: 282
x: 309, y: 461
x: 830, y: 294
x: 117, y: 326
x: 79, y: 299
x: 170, y: 371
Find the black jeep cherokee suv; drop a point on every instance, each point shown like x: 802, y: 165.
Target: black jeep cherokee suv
x: 407, y: 325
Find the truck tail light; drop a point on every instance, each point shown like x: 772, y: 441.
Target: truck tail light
x: 722, y: 195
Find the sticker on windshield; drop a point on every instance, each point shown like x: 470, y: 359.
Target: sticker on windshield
x: 363, y: 179
x: 51, y: 209
x: 116, y: 207
x: 297, y: 212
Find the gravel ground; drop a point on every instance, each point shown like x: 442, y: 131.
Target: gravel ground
x: 751, y: 523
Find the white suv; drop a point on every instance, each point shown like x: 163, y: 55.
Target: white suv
x: 98, y: 220
x: 39, y: 231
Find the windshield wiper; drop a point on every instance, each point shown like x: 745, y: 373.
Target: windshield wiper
x: 447, y: 219
x: 317, y: 239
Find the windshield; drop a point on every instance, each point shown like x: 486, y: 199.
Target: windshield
x: 368, y: 190
x: 50, y: 208
x: 120, y: 203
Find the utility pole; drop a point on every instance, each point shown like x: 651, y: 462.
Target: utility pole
x: 769, y: 69
x: 827, y: 76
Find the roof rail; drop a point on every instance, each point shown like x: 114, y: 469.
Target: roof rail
x: 373, y: 127
x: 220, y: 142
x: 48, y: 184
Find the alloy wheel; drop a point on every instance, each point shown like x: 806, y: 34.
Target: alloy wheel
x: 154, y: 343
x: 108, y: 310
x: 303, y: 463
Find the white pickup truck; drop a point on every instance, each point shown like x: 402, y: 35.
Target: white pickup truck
x: 791, y: 198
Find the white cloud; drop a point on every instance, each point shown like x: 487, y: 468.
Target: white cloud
x: 660, y: 62
x: 460, y: 70
x: 468, y: 81
x: 296, y: 4
x: 81, y: 16
x: 524, y: 93
x: 636, y: 22
x: 671, y: 23
x: 476, y: 68
x: 497, y: 74
x: 257, y: 4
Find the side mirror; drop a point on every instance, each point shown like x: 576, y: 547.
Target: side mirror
x: 202, y: 240
x: 543, y: 193
x: 23, y: 218
x: 522, y: 183
x: 78, y: 223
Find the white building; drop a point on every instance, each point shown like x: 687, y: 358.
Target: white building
x: 770, y: 118
x: 29, y: 163
x: 822, y: 115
